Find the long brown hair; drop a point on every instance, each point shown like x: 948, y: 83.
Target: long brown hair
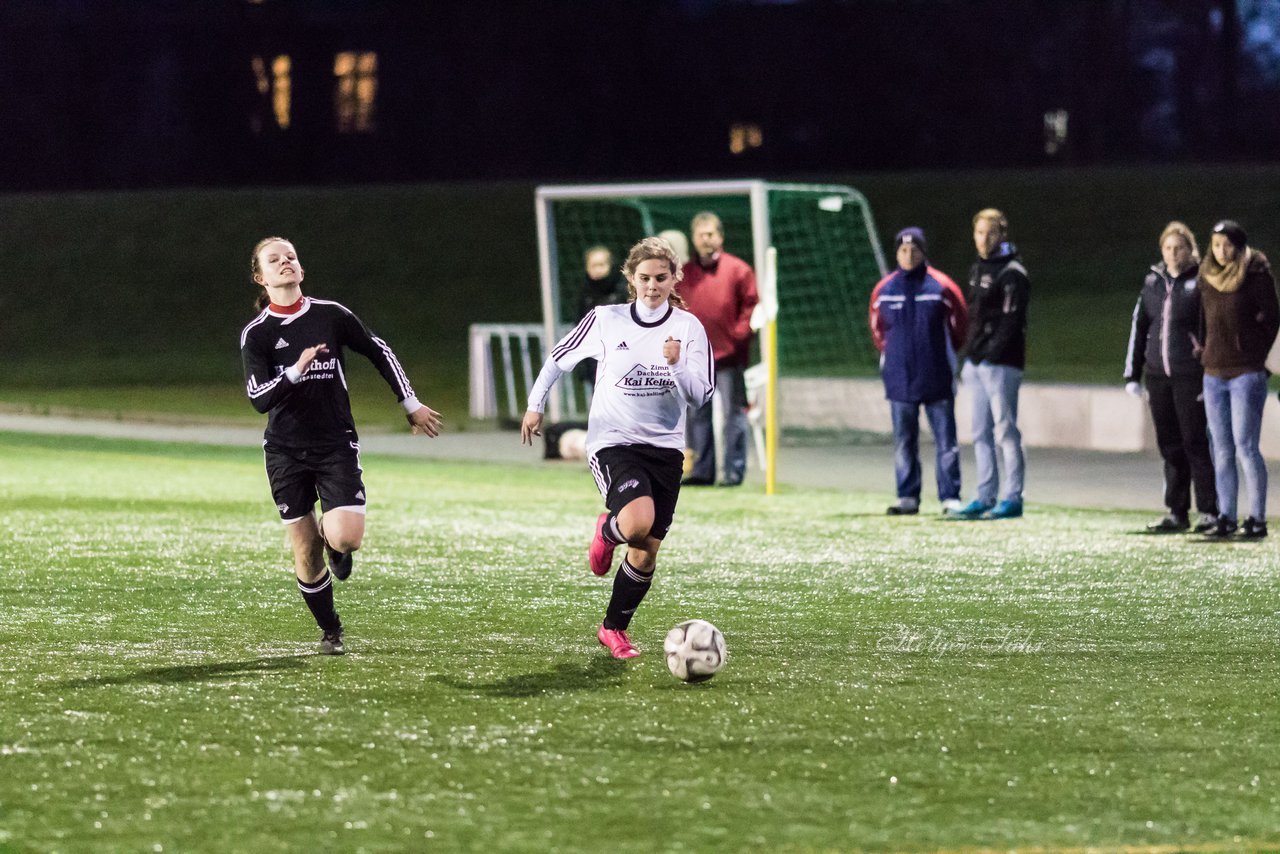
x: 647, y: 250
x: 255, y: 270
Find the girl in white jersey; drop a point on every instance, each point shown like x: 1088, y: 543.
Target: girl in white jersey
x: 653, y: 363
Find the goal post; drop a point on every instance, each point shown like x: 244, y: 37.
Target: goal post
x: 827, y: 258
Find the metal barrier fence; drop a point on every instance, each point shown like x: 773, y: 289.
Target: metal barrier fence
x: 505, y: 360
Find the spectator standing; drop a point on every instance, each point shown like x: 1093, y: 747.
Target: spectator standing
x: 601, y: 285
x: 721, y: 292
x: 678, y: 242
x: 918, y: 318
x: 1240, y: 315
x: 1164, y: 347
x: 995, y: 355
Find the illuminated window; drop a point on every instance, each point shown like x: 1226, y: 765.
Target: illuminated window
x: 1055, y: 131
x: 744, y: 136
x: 275, y: 87
x: 283, y: 95
x: 356, y: 92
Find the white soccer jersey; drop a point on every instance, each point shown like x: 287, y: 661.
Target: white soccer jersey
x: 639, y: 399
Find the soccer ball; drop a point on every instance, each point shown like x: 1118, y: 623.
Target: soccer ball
x: 695, y: 651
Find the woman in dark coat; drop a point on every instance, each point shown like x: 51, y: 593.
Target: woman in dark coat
x: 1164, y: 347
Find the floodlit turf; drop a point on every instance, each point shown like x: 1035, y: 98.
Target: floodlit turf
x: 893, y: 684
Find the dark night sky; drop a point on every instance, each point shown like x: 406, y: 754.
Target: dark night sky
x: 142, y: 93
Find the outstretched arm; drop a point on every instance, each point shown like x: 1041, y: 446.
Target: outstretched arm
x: 582, y: 342
x: 422, y: 419
x: 547, y: 378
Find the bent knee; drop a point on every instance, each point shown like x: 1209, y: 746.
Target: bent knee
x: 637, y: 532
x: 635, y: 521
x: 346, y: 544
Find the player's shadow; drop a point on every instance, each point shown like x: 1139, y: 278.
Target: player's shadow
x: 190, y: 672
x: 563, y: 678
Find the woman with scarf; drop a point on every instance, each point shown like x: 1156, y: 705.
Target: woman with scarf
x: 1239, y: 318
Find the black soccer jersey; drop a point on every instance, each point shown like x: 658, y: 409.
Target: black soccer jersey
x: 311, y: 410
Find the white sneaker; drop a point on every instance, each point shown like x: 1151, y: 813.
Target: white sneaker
x: 950, y: 506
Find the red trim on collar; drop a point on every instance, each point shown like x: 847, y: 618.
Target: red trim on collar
x: 287, y: 309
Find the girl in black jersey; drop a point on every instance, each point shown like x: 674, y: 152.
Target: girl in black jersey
x: 294, y: 371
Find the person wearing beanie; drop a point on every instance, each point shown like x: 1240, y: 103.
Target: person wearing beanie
x: 1239, y: 318
x: 1164, y: 347
x: 995, y: 355
x: 918, y: 319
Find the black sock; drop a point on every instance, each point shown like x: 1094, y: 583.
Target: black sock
x: 319, y: 598
x: 611, y: 532
x: 629, y: 587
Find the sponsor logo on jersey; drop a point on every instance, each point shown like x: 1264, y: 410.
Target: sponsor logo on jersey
x: 622, y: 346
x: 283, y: 508
x: 654, y: 379
x: 281, y: 344
x: 631, y: 484
x: 360, y: 495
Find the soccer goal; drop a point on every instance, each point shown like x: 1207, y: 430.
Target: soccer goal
x: 815, y: 251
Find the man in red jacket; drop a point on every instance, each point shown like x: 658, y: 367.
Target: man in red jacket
x: 721, y: 292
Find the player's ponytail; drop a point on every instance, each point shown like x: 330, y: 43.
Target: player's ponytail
x: 647, y: 250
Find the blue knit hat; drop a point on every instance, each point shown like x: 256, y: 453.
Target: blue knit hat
x: 911, y: 234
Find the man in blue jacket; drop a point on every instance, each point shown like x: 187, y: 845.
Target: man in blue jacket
x: 918, y: 321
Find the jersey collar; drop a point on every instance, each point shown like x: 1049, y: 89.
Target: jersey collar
x: 285, y: 310
x: 649, y: 324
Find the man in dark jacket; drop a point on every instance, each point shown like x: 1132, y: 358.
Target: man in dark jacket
x: 918, y: 318
x: 995, y: 355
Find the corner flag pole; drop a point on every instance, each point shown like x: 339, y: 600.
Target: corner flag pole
x: 771, y: 355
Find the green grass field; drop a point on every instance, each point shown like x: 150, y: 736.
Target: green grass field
x: 905, y: 685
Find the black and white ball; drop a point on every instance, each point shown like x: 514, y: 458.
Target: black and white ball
x: 695, y: 651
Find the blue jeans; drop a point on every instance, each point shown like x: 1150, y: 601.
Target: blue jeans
x: 1234, y: 409
x: 906, y: 447
x: 731, y: 395
x: 995, y: 426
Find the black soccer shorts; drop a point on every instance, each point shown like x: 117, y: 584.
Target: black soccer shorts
x: 624, y: 473
x: 297, y: 476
